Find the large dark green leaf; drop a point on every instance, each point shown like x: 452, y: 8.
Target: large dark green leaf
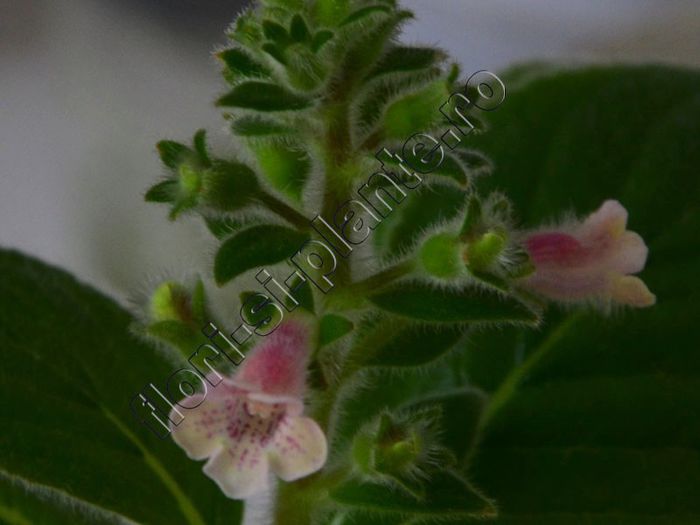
x: 599, y: 422
x: 253, y: 247
x: 69, y: 371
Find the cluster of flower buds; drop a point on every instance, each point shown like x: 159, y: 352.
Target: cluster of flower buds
x: 195, y: 180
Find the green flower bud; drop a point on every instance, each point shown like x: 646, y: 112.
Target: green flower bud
x: 176, y: 314
x: 398, y: 446
x: 439, y: 256
x: 190, y: 181
x: 483, y: 252
x: 170, y: 302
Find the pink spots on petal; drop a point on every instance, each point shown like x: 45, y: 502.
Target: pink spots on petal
x: 254, y: 419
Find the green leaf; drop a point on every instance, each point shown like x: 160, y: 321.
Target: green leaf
x: 433, y: 382
x: 407, y: 59
x: 178, y: 334
x: 330, y: 12
x: 224, y: 226
x: 263, y: 96
x: 165, y: 191
x: 415, y: 112
x: 333, y: 327
x: 275, y: 32
x: 298, y: 29
x: 447, y: 498
x: 200, y: 147
x: 172, y: 153
x: 598, y: 423
x: 364, y: 13
x: 364, y: 48
x: 70, y: 369
x: 250, y: 126
x: 241, y: 64
x: 425, y: 302
x: 286, y: 167
x: 320, y: 38
x: 253, y: 247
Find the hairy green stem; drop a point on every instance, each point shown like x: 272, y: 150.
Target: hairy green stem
x: 382, y: 278
x: 284, y: 210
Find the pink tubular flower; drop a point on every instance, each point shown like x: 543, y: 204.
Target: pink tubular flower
x: 592, y: 259
x: 252, y: 423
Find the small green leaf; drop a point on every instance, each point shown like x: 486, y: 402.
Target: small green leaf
x: 362, y: 53
x: 415, y: 112
x: 298, y: 30
x: 253, y: 247
x: 407, y: 59
x: 275, y: 52
x: 172, y: 153
x: 320, y: 38
x: 165, y: 191
x: 405, y: 345
x: 275, y: 32
x: 472, y: 218
x: 250, y: 126
x: 287, y: 168
x: 364, y: 13
x: 200, y: 147
x: 333, y: 327
x: 330, y: 12
x: 178, y: 334
x: 223, y: 226
x: 263, y: 96
x: 422, y: 301
x: 241, y: 64
x: 447, y: 497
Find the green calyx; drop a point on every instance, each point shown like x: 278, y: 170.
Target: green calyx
x: 170, y: 301
x: 439, y: 256
x: 482, y: 253
x: 394, y: 446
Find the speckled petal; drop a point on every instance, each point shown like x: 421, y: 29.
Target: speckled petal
x: 239, y: 471
x: 299, y: 448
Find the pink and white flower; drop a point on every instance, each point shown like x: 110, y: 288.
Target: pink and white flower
x: 590, y: 260
x: 252, y: 423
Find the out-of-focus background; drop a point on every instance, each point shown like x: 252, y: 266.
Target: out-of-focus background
x: 87, y: 87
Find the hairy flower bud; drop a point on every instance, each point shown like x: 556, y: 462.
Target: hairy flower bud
x: 399, y: 447
x: 439, y: 256
x: 481, y: 253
